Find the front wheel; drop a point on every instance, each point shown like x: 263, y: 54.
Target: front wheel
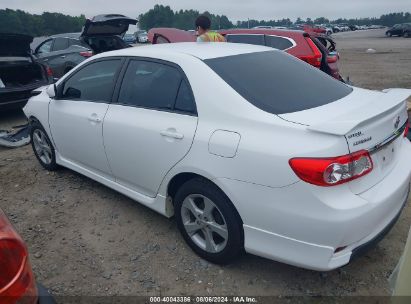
x: 406, y: 35
x: 42, y: 147
x: 208, y: 221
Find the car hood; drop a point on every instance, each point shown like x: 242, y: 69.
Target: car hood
x: 109, y: 24
x: 14, y: 45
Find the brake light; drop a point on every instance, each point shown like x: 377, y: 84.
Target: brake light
x: 316, y: 57
x: 49, y: 72
x: 86, y: 54
x: 407, y: 128
x: 16, y: 277
x: 333, y: 170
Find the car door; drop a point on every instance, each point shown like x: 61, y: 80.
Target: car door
x: 152, y: 125
x: 43, y: 51
x: 77, y: 114
x: 57, y: 57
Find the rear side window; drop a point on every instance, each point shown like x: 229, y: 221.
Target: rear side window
x: 278, y: 83
x: 160, y: 39
x: 45, y: 47
x: 150, y: 85
x: 60, y: 44
x: 94, y: 82
x: 185, y: 102
x: 278, y: 42
x: 246, y: 38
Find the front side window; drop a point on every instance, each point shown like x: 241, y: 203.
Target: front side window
x: 278, y: 83
x: 45, y: 47
x: 94, y: 82
x: 150, y: 85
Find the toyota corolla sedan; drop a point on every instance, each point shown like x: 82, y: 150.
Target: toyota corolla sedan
x: 248, y: 147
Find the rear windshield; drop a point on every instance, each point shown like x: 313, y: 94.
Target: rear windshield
x: 277, y: 82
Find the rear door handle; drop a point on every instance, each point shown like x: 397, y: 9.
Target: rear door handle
x: 63, y: 56
x: 45, y: 59
x: 172, y: 134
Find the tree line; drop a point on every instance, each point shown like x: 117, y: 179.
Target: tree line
x: 18, y: 21
x: 164, y: 16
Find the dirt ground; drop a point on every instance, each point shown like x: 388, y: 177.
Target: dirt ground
x: 86, y: 239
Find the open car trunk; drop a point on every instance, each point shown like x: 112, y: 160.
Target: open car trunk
x: 17, y: 75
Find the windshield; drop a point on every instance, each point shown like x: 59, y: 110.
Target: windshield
x: 278, y: 83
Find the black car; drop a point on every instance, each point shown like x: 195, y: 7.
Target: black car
x: 20, y: 73
x: 407, y: 31
x: 397, y: 30
x: 101, y: 34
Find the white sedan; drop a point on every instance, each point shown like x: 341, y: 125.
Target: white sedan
x: 249, y: 148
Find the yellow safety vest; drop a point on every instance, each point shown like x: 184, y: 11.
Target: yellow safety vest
x: 212, y: 37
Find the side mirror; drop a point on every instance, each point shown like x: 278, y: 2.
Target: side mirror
x: 51, y: 90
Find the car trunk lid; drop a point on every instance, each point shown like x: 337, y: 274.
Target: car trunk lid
x: 15, y: 45
x: 109, y: 24
x: 368, y: 120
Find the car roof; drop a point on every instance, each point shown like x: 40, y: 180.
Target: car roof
x: 273, y: 31
x: 201, y: 50
x: 66, y: 35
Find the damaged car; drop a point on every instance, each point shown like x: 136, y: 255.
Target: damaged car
x: 20, y: 73
x: 102, y: 33
x: 306, y: 170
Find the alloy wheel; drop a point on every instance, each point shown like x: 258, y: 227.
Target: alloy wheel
x: 204, y: 223
x: 42, y: 146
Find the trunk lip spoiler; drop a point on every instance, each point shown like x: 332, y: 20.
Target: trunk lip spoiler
x: 341, y: 125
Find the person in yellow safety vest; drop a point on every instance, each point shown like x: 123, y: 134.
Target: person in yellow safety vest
x: 203, y: 25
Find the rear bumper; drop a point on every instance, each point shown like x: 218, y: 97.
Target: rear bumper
x: 303, y: 225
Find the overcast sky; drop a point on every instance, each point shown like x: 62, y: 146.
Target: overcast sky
x: 234, y: 9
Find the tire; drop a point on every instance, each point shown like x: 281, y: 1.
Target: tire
x: 389, y: 34
x: 223, y: 218
x: 42, y: 147
x: 406, y: 35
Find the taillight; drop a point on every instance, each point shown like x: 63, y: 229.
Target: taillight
x: 316, y: 57
x: 86, y: 54
x: 407, y: 128
x: 333, y: 170
x: 16, y: 277
x: 332, y: 58
x: 49, y: 72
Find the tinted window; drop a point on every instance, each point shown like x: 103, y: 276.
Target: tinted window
x: 45, y: 47
x: 278, y: 42
x: 74, y: 42
x: 150, y: 85
x: 185, y: 101
x: 94, y: 82
x: 249, y: 39
x: 277, y: 82
x: 60, y: 44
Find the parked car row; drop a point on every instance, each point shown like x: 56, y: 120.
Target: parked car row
x: 314, y: 48
x: 401, y: 30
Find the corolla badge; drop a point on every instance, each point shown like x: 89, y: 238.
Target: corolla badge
x: 397, y: 122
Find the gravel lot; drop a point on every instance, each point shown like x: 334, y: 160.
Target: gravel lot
x: 86, y: 239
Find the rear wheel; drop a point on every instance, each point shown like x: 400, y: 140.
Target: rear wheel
x: 208, y: 221
x: 406, y: 35
x: 42, y: 147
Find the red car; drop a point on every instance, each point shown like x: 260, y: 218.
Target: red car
x: 17, y: 283
x: 314, y: 48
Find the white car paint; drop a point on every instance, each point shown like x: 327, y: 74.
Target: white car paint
x: 245, y: 152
